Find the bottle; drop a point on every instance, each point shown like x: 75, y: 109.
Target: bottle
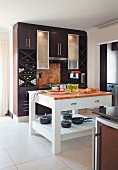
x: 40, y: 80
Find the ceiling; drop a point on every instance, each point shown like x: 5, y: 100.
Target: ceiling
x: 75, y: 14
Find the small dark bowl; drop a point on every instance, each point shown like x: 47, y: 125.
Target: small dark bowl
x: 67, y: 116
x: 45, y: 119
x: 66, y: 124
x: 80, y: 120
x: 77, y: 120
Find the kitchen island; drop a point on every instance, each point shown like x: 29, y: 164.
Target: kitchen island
x: 59, y: 103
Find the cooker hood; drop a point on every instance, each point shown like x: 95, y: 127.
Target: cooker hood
x: 58, y: 59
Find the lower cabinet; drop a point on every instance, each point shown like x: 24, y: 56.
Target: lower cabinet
x: 23, y: 103
x: 106, y: 151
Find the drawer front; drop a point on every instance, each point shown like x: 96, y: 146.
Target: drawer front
x: 72, y: 104
x: 97, y: 101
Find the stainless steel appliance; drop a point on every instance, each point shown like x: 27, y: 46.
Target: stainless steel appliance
x: 74, y: 77
x: 82, y: 77
x: 113, y: 87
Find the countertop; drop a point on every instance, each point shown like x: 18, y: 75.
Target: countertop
x: 110, y: 113
x: 77, y: 95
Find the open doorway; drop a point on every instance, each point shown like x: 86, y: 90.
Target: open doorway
x: 109, y: 69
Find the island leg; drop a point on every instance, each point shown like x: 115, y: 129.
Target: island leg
x: 31, y: 114
x: 56, y: 129
x: 74, y: 112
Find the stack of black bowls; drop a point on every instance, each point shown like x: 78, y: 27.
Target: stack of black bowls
x: 45, y: 119
x: 66, y: 123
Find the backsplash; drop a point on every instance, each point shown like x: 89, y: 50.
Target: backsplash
x: 52, y: 75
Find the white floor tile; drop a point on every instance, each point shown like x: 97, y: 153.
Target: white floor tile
x: 10, y: 168
x: 25, y: 126
x: 1, y: 146
x: 78, y: 159
x: 18, y: 148
x: 5, y: 159
x: 70, y: 145
x: 19, y: 140
x: 11, y: 130
x: 6, y: 122
x: 65, y: 145
x: 86, y: 140
x: 48, y: 163
x: 28, y: 153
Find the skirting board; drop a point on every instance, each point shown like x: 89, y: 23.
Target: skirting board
x: 21, y: 119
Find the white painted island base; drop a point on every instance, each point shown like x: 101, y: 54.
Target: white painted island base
x: 54, y: 132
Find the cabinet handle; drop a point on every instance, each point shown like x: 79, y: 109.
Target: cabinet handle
x: 73, y: 103
x: 26, y: 43
x: 26, y: 93
x: 29, y: 42
x: 97, y: 134
x: 58, y: 48
x: 97, y: 101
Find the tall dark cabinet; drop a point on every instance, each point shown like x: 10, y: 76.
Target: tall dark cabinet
x: 25, y: 61
x: 24, y: 67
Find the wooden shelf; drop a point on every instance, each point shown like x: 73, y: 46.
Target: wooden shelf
x: 66, y: 133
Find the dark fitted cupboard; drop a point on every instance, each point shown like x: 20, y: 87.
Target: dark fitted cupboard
x: 27, y: 38
x: 24, y: 67
x: 25, y: 61
x: 58, y: 43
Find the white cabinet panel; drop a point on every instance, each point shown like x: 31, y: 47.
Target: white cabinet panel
x: 97, y: 101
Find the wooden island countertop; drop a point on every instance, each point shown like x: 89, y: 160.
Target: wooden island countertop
x: 76, y: 95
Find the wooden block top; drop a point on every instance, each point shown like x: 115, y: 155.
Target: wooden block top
x: 77, y: 95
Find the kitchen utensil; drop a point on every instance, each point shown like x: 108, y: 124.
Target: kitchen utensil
x: 45, y: 119
x: 66, y: 124
x: 55, y: 88
x: 80, y: 120
x: 67, y: 116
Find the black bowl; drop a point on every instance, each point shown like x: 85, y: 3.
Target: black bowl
x: 66, y: 124
x: 77, y: 120
x: 80, y: 120
x: 67, y: 116
x: 45, y: 119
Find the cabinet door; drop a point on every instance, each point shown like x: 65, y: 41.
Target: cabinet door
x: 53, y: 44
x: 107, y: 142
x: 23, y: 102
x: 42, y: 49
x: 58, y: 44
x: 63, y: 40
x: 32, y: 39
x: 73, y: 51
x: 23, y: 38
x: 27, y: 38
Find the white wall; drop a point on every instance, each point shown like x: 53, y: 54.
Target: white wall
x: 95, y: 38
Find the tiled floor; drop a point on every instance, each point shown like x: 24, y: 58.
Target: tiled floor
x: 21, y: 151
